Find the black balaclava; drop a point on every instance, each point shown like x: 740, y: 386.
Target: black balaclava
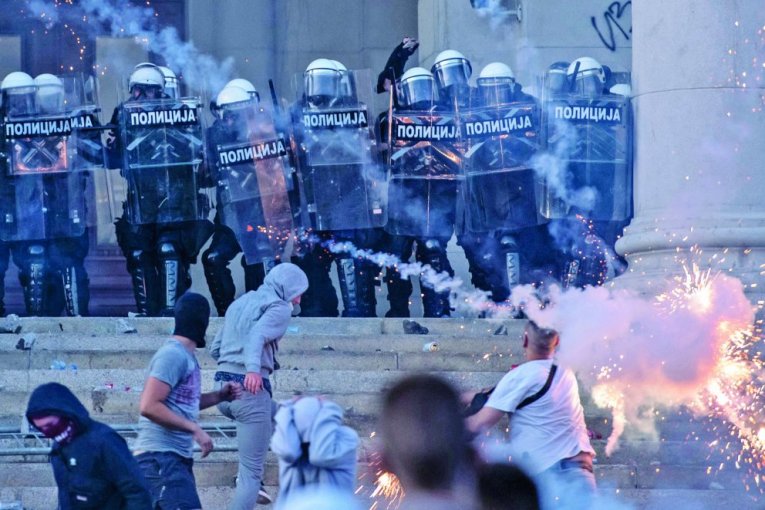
x: 192, y: 315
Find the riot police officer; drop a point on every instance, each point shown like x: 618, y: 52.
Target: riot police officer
x: 504, y: 239
x: 164, y: 224
x: 17, y: 90
x: 589, y: 216
x: 234, y: 105
x: 340, y: 188
x: 422, y: 188
x: 67, y: 254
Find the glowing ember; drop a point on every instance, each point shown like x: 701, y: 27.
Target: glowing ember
x: 388, y: 487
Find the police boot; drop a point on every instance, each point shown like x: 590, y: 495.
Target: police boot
x: 33, y: 280
x: 255, y: 274
x: 320, y: 300
x: 356, y: 288
x: 435, y: 304
x: 76, y: 290
x: 219, y: 280
x: 399, y: 293
x: 143, y: 275
x: 511, y: 274
x: 172, y: 276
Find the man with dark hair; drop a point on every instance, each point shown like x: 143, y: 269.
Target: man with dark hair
x: 170, y: 403
x: 548, y: 436
x: 424, y: 444
x: 91, y: 462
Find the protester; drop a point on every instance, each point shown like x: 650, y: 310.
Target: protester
x: 245, y: 349
x: 548, y: 436
x: 170, y: 403
x: 506, y: 487
x: 91, y: 463
x: 314, y: 447
x: 424, y: 443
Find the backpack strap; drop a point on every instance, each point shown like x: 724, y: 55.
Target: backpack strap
x: 536, y: 396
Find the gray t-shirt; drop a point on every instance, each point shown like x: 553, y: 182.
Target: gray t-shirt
x: 176, y: 366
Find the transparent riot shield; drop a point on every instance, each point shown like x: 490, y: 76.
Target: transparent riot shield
x: 162, y: 148
x: 254, y: 178
x: 341, y: 179
x: 500, y: 183
x: 81, y: 103
x: 423, y: 172
x: 590, y: 140
x: 43, y: 196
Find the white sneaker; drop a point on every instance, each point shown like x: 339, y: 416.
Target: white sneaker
x: 264, y: 498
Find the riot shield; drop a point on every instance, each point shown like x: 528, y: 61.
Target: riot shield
x: 254, y: 176
x: 162, y: 148
x: 43, y: 196
x: 342, y: 182
x: 500, y: 182
x: 81, y: 102
x: 424, y: 172
x: 592, y: 139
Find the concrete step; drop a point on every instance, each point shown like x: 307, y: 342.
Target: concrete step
x: 313, y: 353
x: 298, y: 326
x: 40, y: 498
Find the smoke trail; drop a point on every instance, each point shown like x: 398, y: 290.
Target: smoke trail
x: 200, y: 72
x: 465, y: 301
x: 493, y: 10
x: 638, y: 352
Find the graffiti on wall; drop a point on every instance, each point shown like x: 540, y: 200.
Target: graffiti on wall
x: 616, y: 20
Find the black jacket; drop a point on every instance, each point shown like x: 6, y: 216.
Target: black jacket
x: 96, y: 469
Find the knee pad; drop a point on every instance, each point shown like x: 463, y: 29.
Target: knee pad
x: 168, y: 251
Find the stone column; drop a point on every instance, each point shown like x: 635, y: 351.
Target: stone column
x: 699, y: 141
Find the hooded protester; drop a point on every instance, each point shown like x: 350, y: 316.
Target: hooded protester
x: 314, y: 448
x: 170, y: 403
x: 245, y: 349
x: 91, y: 463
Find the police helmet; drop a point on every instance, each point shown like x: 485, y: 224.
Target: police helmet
x: 496, y: 84
x: 246, y: 85
x: 146, y: 77
x: 586, y: 76
x: 451, y: 68
x: 556, y: 78
x: 232, y: 95
x: 416, y: 87
x: 322, y: 79
x: 50, y: 93
x: 18, y: 91
x: 171, y: 82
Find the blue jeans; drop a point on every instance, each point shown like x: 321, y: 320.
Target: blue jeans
x: 171, y: 480
x: 567, y: 487
x: 253, y: 414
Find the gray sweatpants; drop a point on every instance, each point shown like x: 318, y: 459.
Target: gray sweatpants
x: 253, y: 416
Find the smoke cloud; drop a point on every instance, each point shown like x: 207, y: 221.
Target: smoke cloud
x: 200, y: 72
x: 636, y: 352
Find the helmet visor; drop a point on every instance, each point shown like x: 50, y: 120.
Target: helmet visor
x: 557, y: 82
x: 142, y: 91
x: 451, y: 72
x: 419, y: 90
x: 322, y: 83
x: 50, y: 99
x: 588, y: 86
x: 496, y: 91
x: 19, y: 101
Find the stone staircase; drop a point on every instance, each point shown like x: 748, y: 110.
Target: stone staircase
x: 350, y: 361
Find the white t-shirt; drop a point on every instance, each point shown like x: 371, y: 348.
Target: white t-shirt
x: 548, y: 430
